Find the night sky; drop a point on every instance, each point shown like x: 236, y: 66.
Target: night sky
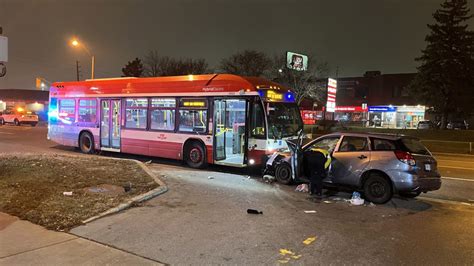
x: 355, y: 35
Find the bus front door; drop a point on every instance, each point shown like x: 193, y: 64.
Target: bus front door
x: 229, y: 131
x: 110, y: 125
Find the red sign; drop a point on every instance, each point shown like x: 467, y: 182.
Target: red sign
x: 350, y: 109
x: 331, y: 99
x: 309, y: 117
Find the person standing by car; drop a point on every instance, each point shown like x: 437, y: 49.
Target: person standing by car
x: 317, y: 162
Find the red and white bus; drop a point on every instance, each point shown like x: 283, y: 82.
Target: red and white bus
x: 216, y: 119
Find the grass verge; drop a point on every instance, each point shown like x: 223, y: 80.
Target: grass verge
x: 32, y: 187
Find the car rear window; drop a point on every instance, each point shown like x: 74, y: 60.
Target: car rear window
x: 414, y: 146
x: 383, y: 145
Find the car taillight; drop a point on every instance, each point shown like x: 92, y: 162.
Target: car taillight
x: 405, y: 157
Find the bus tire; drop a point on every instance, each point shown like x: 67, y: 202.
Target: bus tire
x: 86, y: 143
x: 17, y: 123
x: 195, y: 155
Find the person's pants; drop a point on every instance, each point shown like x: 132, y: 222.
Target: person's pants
x: 316, y: 182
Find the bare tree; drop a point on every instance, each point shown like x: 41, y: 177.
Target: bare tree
x: 156, y: 65
x: 152, y: 64
x: 246, y: 63
x: 309, y: 84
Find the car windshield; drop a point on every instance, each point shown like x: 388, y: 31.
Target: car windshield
x: 284, y: 120
x: 415, y: 146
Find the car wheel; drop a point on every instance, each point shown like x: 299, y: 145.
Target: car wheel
x: 86, y: 143
x: 410, y: 194
x: 2, y: 122
x: 33, y: 124
x: 17, y: 123
x: 283, y: 174
x: 195, y: 155
x: 377, y: 189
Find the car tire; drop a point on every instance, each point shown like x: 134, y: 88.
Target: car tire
x: 195, y: 155
x: 2, y: 122
x: 410, y: 195
x: 283, y: 174
x: 17, y: 123
x: 33, y: 124
x: 86, y: 143
x: 377, y: 189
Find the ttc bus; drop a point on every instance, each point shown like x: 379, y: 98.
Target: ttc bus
x: 201, y: 119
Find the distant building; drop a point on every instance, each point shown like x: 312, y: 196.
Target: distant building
x: 30, y: 100
x: 377, y: 100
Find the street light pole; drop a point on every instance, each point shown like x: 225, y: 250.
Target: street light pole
x: 93, y: 63
x: 76, y: 43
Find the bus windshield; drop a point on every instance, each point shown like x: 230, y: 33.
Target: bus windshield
x: 284, y: 120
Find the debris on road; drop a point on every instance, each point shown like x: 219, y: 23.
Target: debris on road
x: 302, y: 188
x: 67, y: 193
x: 210, y: 177
x: 309, y: 240
x: 252, y: 211
x: 311, y: 211
x: 288, y: 255
x: 356, y: 200
x: 268, y: 178
x: 284, y: 252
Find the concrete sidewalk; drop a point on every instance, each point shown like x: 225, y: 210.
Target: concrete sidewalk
x: 24, y: 243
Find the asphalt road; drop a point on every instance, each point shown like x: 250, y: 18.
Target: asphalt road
x: 203, y: 219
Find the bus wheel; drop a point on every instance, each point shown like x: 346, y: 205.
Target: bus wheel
x: 283, y: 174
x: 86, y: 143
x: 17, y: 123
x: 195, y: 155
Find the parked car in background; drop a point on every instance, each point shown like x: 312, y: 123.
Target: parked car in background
x: 18, y: 117
x: 458, y: 124
x: 426, y: 125
x: 378, y: 165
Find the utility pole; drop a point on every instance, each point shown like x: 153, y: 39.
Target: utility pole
x: 78, y: 70
x: 3, y: 53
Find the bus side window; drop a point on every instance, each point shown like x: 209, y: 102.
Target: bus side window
x: 257, y: 121
x: 87, y: 110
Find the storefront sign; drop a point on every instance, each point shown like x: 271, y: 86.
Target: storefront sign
x: 350, y: 109
x: 309, y: 117
x: 382, y: 109
x: 298, y: 62
x: 331, y: 99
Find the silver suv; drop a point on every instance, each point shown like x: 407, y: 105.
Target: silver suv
x: 379, y: 165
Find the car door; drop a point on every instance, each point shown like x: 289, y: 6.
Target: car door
x: 350, y: 160
x: 328, y: 143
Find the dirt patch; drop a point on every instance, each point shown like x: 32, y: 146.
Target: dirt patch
x: 32, y: 187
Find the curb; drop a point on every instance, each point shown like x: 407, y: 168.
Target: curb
x: 137, y: 199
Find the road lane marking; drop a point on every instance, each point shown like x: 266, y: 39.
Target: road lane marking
x: 457, y: 161
x: 447, y: 201
x: 451, y: 154
x: 457, y: 178
x: 455, y: 167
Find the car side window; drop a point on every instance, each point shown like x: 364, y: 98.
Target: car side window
x: 327, y: 143
x: 383, y: 145
x: 354, y: 144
